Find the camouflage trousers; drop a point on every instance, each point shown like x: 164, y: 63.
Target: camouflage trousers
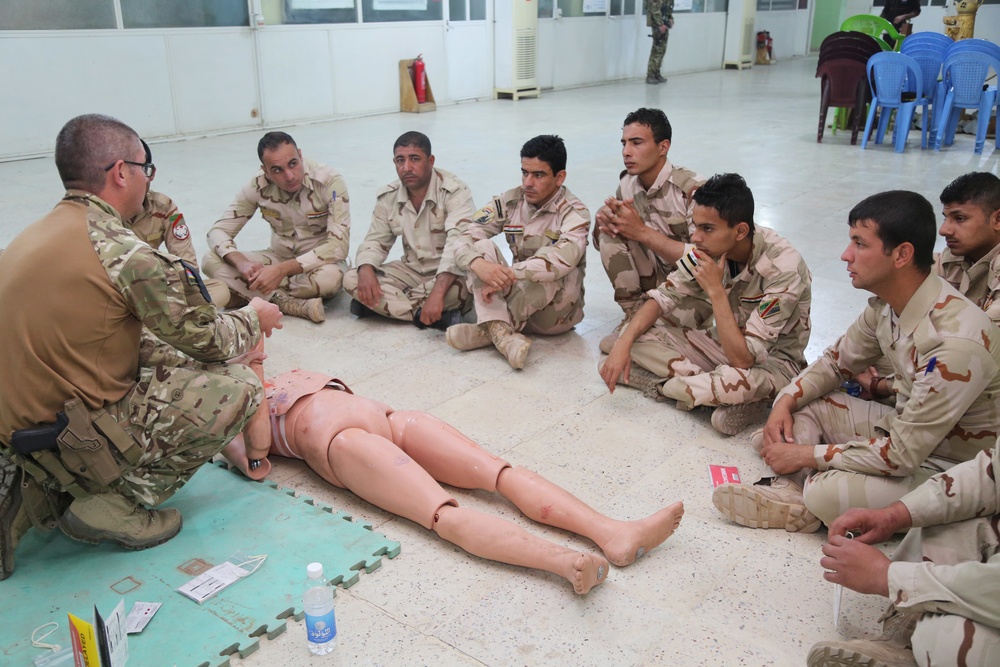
x: 656, y: 53
x: 324, y: 281
x: 632, y: 268
x: 545, y: 308
x: 404, y: 291
x: 839, y: 418
x: 949, y: 639
x: 696, y: 372
x: 182, y: 417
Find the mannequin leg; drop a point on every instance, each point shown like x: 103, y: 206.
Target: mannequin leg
x: 378, y: 471
x: 454, y: 459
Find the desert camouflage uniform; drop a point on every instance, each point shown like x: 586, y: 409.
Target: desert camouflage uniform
x: 945, y: 353
x: 948, y: 565
x: 180, y: 414
x: 666, y: 207
x: 979, y: 282
x: 658, y: 12
x: 312, y: 226
x: 770, y: 298
x: 548, y: 244
x: 407, y: 283
x: 161, y: 223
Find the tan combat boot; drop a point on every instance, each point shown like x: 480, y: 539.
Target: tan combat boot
x: 112, y: 517
x: 778, y: 505
x: 310, y: 309
x: 467, y: 337
x: 512, y: 345
x: 861, y: 653
x: 14, y: 522
x: 732, y: 419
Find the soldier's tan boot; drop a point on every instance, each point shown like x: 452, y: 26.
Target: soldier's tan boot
x: 113, y: 518
x: 860, y: 653
x: 756, y: 506
x: 14, y: 522
x: 310, y: 309
x: 467, y: 337
x: 513, y: 346
x: 732, y: 419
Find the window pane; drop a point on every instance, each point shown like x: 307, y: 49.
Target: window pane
x: 545, y: 9
x: 382, y: 11
x: 477, y: 10
x: 629, y: 7
x: 615, y: 8
x: 317, y: 11
x: 56, y: 14
x: 575, y: 8
x: 184, y: 13
x: 456, y: 10
x: 783, y: 4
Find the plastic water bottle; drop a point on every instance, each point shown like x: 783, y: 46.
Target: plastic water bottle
x: 851, y: 388
x: 317, y: 602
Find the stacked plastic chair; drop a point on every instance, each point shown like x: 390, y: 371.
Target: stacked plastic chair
x: 965, y: 72
x: 890, y: 74
x: 875, y: 27
x: 843, y: 58
x: 929, y: 49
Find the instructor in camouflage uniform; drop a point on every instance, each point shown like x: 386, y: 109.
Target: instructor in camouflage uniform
x: 727, y: 329
x: 306, y: 205
x: 942, y: 580
x: 71, y: 341
x: 641, y: 231
x: 945, y: 354
x: 546, y: 228
x: 660, y: 18
x: 160, y: 223
x: 424, y: 206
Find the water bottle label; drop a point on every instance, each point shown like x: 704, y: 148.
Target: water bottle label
x: 321, y: 629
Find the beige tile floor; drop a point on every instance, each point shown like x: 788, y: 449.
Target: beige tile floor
x: 715, y: 593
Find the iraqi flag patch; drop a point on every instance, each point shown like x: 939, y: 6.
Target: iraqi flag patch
x: 179, y: 228
x: 768, y: 308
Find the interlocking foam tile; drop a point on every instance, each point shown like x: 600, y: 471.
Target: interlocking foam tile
x: 223, y: 513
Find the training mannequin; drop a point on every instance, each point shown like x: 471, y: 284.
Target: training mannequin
x: 395, y: 460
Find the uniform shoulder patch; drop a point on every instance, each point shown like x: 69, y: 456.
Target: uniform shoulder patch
x: 769, y: 307
x: 484, y: 215
x: 178, y: 227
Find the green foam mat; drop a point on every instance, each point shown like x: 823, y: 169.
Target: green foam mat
x: 224, y: 513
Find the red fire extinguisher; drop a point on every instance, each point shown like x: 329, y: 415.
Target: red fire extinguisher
x: 420, y: 79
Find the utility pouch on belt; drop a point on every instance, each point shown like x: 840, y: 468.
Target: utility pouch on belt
x: 85, y: 450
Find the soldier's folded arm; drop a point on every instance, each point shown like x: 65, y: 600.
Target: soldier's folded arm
x: 556, y: 261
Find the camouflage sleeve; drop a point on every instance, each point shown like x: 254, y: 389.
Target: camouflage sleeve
x: 962, y: 370
x: 380, y: 237
x: 168, y: 301
x: 964, y: 491
x: 222, y: 235
x: 668, y: 10
x: 458, y: 207
x: 338, y: 240
x: 681, y: 300
x: 177, y: 236
x: 784, y: 298
x: 656, y: 13
x: 555, y: 261
x: 991, y: 306
x: 154, y: 352
x: 948, y: 589
x: 484, y: 224
x: 853, y: 353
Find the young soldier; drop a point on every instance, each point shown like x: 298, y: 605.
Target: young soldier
x: 944, y: 352
x: 424, y: 206
x: 306, y: 205
x: 730, y: 326
x: 546, y: 228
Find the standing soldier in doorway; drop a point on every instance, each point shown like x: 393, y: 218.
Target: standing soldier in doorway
x: 659, y: 17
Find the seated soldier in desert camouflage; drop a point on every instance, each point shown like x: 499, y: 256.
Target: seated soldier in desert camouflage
x: 424, y: 206
x: 729, y: 328
x: 828, y: 451
x: 161, y: 223
x: 546, y: 228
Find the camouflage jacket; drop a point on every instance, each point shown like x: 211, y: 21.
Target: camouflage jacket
x: 312, y: 225
x: 160, y: 222
x: 945, y: 354
x: 667, y: 205
x: 771, y: 297
x: 548, y: 243
x: 659, y: 12
x: 979, y: 282
x: 425, y: 232
x: 966, y: 491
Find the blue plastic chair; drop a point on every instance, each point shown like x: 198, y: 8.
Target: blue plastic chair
x: 965, y: 73
x: 889, y: 75
x: 930, y: 62
x: 926, y: 39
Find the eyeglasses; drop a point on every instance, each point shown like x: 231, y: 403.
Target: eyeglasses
x: 148, y: 168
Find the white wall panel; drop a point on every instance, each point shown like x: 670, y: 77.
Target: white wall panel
x: 580, y: 45
x: 620, y: 38
x: 697, y: 42
x: 296, y: 73
x: 547, y: 51
x: 789, y: 30
x: 48, y: 80
x: 213, y: 80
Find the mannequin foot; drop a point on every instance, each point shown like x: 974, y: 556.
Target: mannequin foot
x: 637, y: 537
x: 585, y: 571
